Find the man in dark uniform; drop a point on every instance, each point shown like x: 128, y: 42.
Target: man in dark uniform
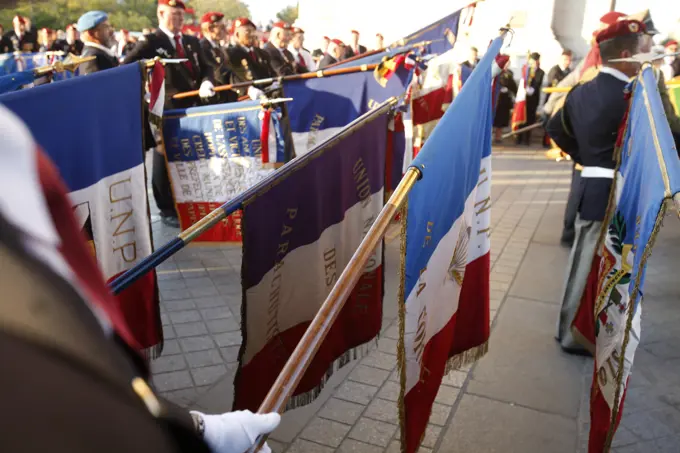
x: 473, y: 58
x: 246, y: 60
x: 533, y: 95
x: 333, y: 55
x: 195, y: 73
x: 586, y: 128
x: 556, y: 74
x: 282, y: 60
x: 71, y: 44
x: 354, y: 48
x: 20, y: 39
x: 64, y: 344
x: 125, y: 44
x: 214, y: 31
x: 97, y: 35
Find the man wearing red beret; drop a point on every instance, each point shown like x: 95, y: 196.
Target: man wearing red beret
x: 354, y: 48
x: 333, y: 54
x: 282, y: 60
x: 586, y: 128
x: 214, y: 31
x: 246, y: 60
x: 303, y: 58
x: 71, y: 44
x: 195, y: 73
x: 21, y: 38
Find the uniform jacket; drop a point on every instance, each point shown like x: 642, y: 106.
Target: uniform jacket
x: 178, y: 78
x: 247, y: 65
x: 282, y: 61
x: 327, y: 60
x: 76, y: 48
x: 349, y: 52
x: 27, y: 43
x: 103, y: 61
x: 217, y: 58
x: 586, y: 128
x: 555, y: 76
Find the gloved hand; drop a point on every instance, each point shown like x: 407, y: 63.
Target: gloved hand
x: 207, y: 90
x: 275, y: 86
x: 255, y: 93
x: 504, y: 89
x: 236, y: 432
x: 530, y: 91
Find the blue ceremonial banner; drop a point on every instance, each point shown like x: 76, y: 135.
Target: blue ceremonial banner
x: 13, y: 82
x: 91, y: 128
x: 299, y: 235
x: 439, y: 32
x: 214, y: 154
x: 446, y: 289
x: 323, y: 106
x: 648, y: 176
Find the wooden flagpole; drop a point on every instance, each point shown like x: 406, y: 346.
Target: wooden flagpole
x: 306, y: 349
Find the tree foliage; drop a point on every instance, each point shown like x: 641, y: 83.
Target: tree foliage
x: 231, y: 9
x: 288, y: 14
x: 57, y: 14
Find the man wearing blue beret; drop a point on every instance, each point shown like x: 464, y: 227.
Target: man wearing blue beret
x: 97, y: 34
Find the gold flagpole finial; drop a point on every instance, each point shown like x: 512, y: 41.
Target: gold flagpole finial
x: 71, y: 64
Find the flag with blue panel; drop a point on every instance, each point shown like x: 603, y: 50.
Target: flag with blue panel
x: 445, y: 321
x: 98, y: 149
x: 648, y: 176
x: 299, y: 235
x: 214, y: 154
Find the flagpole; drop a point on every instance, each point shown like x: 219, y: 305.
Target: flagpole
x: 309, y: 344
x: 307, y: 75
x: 228, y: 208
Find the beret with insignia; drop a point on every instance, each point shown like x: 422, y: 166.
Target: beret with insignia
x: 621, y: 28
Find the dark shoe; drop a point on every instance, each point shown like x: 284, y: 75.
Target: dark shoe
x: 577, y: 351
x: 171, y: 221
x: 567, y: 243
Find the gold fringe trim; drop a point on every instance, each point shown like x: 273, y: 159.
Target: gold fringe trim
x: 465, y: 358
x: 629, y: 323
x: 345, y: 359
x: 401, y: 348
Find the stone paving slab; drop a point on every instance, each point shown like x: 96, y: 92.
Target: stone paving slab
x: 523, y: 396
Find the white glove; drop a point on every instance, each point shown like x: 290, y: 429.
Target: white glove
x: 504, y: 89
x: 530, y: 91
x: 207, y: 90
x: 236, y: 432
x: 255, y: 93
x: 275, y: 86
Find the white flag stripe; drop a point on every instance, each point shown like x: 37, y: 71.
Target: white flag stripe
x: 338, y: 242
x: 306, y: 141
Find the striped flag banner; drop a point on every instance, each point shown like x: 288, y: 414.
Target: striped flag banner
x: 214, y: 154
x: 299, y: 234
x: 648, y: 175
x: 445, y: 320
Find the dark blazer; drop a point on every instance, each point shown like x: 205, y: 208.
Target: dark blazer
x: 327, y: 60
x: 282, y: 62
x: 64, y: 46
x: 59, y: 359
x: 217, y: 58
x: 586, y: 128
x: 555, y: 76
x: 103, y: 61
x: 178, y: 77
x: 247, y: 65
x: 27, y: 43
x: 349, y: 52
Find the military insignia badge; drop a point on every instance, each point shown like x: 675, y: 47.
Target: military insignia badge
x: 213, y: 18
x: 633, y: 27
x: 163, y: 52
x: 172, y: 3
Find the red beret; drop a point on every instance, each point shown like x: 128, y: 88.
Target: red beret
x: 672, y: 42
x: 211, y: 17
x: 297, y: 30
x: 326, y: 38
x: 19, y: 19
x: 611, y: 17
x: 337, y: 42
x: 379, y: 35
x: 621, y: 28
x: 354, y: 31
x: 70, y: 26
x: 46, y: 30
x: 242, y: 22
x: 124, y: 31
x: 173, y: 3
x: 281, y: 24
x: 502, y: 60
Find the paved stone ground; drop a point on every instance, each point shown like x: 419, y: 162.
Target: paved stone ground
x: 524, y: 396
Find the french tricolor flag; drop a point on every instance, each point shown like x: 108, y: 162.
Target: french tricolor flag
x: 446, y: 289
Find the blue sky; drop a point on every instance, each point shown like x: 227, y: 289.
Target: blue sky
x: 264, y: 10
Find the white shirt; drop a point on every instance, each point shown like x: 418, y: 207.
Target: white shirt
x: 306, y: 56
x: 100, y: 47
x: 615, y: 73
x: 171, y: 35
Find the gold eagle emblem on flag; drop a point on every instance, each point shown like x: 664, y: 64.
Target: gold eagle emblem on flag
x: 459, y: 260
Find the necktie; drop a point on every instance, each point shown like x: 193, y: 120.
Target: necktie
x: 301, y: 60
x: 181, y: 54
x: 252, y: 54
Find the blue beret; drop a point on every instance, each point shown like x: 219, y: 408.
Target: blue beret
x: 91, y: 19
